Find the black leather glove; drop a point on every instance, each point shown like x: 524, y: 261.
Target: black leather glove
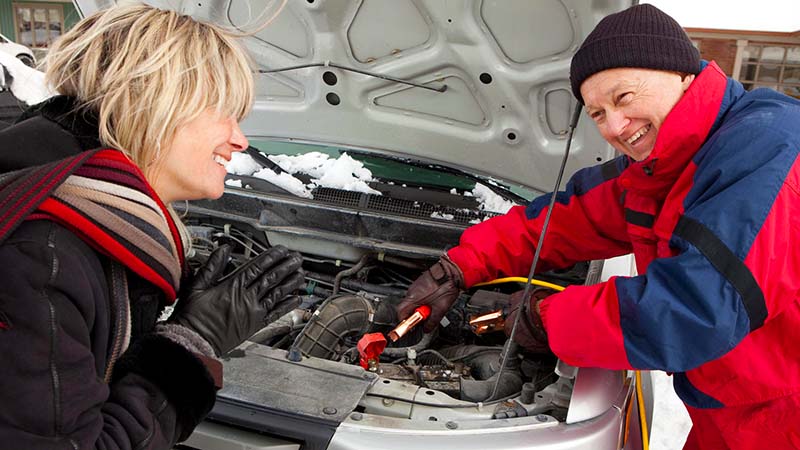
x: 437, y: 287
x: 530, y: 331
x: 227, y: 310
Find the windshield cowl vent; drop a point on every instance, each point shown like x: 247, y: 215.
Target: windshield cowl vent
x: 400, y: 207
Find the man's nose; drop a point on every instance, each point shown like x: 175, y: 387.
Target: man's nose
x: 616, y: 122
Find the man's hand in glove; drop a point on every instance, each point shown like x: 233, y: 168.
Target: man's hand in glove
x: 437, y: 287
x: 227, y: 310
x: 530, y: 331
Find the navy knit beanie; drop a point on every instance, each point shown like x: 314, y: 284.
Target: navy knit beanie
x: 642, y: 36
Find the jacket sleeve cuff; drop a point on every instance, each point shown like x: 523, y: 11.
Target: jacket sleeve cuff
x: 181, y: 375
x: 542, y: 307
x: 461, y: 258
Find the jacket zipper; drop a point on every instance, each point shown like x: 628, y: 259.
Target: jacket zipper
x: 119, y: 306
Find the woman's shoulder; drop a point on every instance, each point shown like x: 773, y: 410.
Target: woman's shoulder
x: 47, y: 132
x: 43, y: 253
x: 33, y: 142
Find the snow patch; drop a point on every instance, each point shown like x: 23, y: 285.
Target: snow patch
x: 242, y: 164
x: 671, y: 422
x: 28, y: 84
x: 489, y: 201
x: 338, y: 173
x: 234, y: 183
x: 285, y: 181
x: 438, y: 215
x: 348, y: 174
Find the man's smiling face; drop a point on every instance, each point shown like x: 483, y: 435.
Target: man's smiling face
x: 628, y: 105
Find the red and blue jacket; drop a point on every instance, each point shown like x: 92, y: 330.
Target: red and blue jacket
x: 712, y: 219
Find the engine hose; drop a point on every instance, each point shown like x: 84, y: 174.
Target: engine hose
x: 281, y: 326
x: 356, y: 285
x: 467, y: 353
x: 351, y: 271
x: 481, y: 390
x: 398, y: 352
x: 486, y: 371
x: 338, y: 318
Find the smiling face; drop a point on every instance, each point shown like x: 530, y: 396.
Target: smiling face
x: 629, y: 105
x: 193, y: 165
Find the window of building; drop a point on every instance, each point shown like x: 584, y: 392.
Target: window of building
x: 38, y: 25
x: 772, y: 66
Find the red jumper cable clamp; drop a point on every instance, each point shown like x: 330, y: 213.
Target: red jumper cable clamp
x: 370, y: 347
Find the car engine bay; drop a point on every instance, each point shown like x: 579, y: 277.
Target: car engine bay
x: 452, y: 372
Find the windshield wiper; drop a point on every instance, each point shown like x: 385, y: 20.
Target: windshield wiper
x: 498, y: 189
x: 260, y: 158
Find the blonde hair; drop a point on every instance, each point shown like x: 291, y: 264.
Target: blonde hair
x: 145, y: 72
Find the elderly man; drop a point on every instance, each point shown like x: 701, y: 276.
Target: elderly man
x: 706, y: 197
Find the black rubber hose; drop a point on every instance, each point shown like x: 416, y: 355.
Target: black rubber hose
x: 355, y: 285
x: 422, y: 344
x: 351, y: 271
x: 481, y: 390
x: 336, y: 319
x: 486, y: 370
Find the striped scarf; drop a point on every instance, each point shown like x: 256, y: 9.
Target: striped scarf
x: 102, y: 197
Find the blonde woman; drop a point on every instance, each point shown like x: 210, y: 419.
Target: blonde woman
x: 91, y: 252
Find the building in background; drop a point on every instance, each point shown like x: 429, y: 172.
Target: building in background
x: 36, y: 23
x: 755, y: 58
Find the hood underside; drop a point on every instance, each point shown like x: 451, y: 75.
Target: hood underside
x: 489, y: 88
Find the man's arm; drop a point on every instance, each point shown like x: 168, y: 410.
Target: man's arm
x: 735, y: 267
x: 587, y: 223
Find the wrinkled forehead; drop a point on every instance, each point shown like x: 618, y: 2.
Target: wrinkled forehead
x: 604, y: 84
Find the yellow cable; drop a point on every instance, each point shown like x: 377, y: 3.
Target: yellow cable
x: 522, y: 280
x: 642, y: 418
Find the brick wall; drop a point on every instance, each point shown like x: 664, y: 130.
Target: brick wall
x: 723, y: 51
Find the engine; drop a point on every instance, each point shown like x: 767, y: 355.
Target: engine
x: 343, y: 301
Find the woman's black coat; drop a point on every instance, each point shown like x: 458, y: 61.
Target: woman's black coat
x: 57, y: 327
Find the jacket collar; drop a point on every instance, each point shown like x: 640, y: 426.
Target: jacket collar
x: 66, y: 112
x: 683, y: 132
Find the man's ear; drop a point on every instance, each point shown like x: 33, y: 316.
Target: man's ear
x: 687, y: 80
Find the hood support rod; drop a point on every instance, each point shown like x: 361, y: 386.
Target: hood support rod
x: 511, y: 347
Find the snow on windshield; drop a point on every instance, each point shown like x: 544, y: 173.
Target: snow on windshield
x: 28, y: 84
x: 343, y: 173
x: 489, y: 201
x: 338, y: 173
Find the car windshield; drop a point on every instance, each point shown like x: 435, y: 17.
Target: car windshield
x: 308, y: 162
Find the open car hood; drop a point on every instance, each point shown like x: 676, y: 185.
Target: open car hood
x: 504, y: 65
x: 367, y: 75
